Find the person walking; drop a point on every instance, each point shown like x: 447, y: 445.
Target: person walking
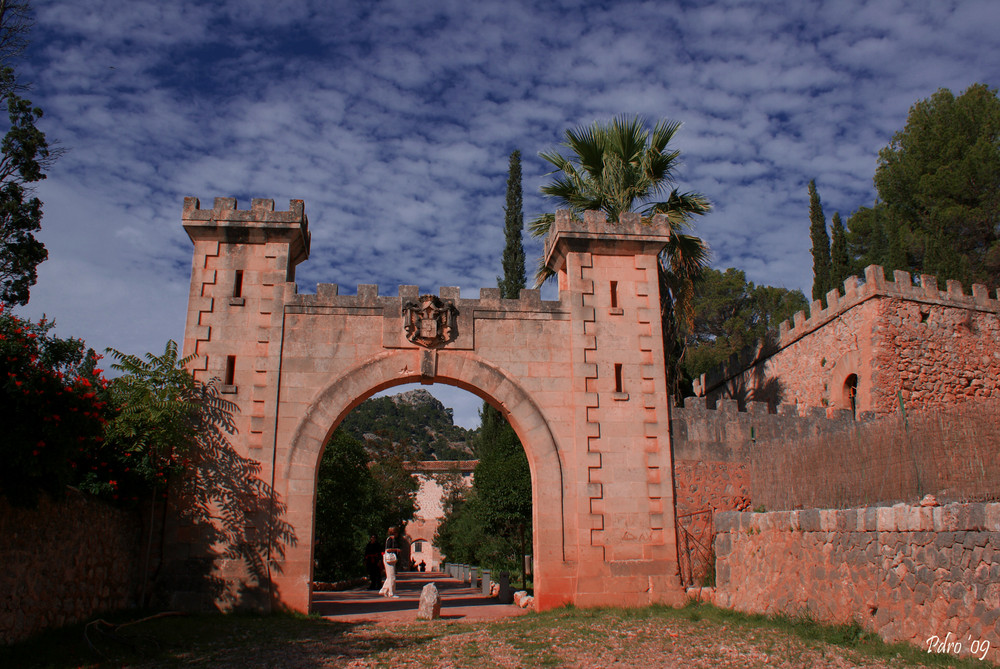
x: 389, y: 558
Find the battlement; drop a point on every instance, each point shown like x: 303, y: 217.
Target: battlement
x: 694, y: 406
x: 856, y: 292
x: 260, y: 224
x: 328, y: 295
x: 261, y: 211
x: 629, y: 236
x: 876, y: 285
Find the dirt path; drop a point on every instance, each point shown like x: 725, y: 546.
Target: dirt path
x: 459, y: 602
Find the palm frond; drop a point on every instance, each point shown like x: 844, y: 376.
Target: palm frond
x: 540, y: 226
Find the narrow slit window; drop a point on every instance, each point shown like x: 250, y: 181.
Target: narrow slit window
x: 618, y: 378
x: 614, y: 294
x: 238, y: 284
x: 230, y: 370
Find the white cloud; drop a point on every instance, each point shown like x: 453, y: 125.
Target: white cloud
x: 393, y: 121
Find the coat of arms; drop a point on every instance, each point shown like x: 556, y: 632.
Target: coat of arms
x: 430, y: 321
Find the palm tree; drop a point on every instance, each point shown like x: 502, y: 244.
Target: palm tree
x: 619, y: 167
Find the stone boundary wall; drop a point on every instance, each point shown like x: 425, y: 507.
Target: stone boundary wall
x: 909, y: 573
x: 855, y: 292
x: 712, y: 446
x: 712, y: 455
x: 65, y: 561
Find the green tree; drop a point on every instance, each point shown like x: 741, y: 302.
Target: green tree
x: 619, y: 167
x: 53, y: 406
x: 502, y: 486
x: 731, y: 314
x: 513, y: 279
x: 348, y: 509
x: 490, y: 524
x: 938, y: 184
x: 161, y: 411
x: 171, y: 431
x: 840, y: 260
x: 820, y: 245
x: 24, y: 153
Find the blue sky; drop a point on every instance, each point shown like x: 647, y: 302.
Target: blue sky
x: 394, y: 120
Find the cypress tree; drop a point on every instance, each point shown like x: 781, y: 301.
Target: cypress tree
x: 840, y: 262
x: 513, y: 279
x: 820, y: 244
x: 502, y: 480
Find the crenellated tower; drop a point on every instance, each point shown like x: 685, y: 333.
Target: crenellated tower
x: 242, y: 273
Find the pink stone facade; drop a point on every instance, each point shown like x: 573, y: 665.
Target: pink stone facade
x: 64, y: 562
x: 580, y: 379
x: 906, y: 572
x: 437, y: 478
x: 879, y: 341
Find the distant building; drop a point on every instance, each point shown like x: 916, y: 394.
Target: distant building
x: 437, y: 478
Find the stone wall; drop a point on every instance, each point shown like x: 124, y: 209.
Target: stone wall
x: 908, y: 573
x: 712, y: 449
x: 713, y: 446
x: 64, y: 562
x: 879, y: 340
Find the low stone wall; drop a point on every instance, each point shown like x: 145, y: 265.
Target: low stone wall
x: 927, y: 575
x: 63, y: 562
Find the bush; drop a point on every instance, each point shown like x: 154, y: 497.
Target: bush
x: 53, y: 406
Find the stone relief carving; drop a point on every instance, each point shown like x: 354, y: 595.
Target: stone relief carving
x: 430, y: 321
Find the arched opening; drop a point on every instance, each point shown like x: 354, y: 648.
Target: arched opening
x: 851, y: 393
x: 392, y: 462
x: 332, y: 404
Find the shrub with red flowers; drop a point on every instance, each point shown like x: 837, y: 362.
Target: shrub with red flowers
x: 53, y: 409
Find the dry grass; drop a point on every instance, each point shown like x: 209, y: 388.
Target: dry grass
x: 953, y: 453
x: 694, y: 636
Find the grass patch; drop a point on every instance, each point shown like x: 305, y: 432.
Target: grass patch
x: 559, y: 637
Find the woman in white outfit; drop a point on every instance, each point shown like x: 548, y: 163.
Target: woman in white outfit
x: 389, y: 558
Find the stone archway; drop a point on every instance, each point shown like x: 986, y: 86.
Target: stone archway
x: 334, y: 402
x: 581, y: 379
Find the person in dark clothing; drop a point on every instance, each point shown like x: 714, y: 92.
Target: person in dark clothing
x: 373, y: 563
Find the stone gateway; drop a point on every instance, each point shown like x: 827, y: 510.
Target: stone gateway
x: 580, y: 379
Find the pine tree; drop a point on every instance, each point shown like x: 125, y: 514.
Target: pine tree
x: 840, y: 262
x: 820, y: 244
x: 513, y: 279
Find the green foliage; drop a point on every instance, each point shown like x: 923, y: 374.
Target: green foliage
x: 938, y: 184
x: 513, y: 279
x: 820, y: 245
x: 461, y: 535
x: 490, y: 524
x: 363, y: 488
x: 348, y: 509
x: 53, y: 406
x: 619, y: 167
x: 731, y: 314
x: 24, y: 152
x: 840, y: 261
x: 159, y: 405
x: 417, y: 418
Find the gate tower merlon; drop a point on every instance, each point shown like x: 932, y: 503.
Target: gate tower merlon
x: 609, y: 276
x: 243, y: 272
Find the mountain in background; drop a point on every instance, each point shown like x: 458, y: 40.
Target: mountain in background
x: 415, y: 418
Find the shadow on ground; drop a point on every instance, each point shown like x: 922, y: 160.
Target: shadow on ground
x: 459, y: 601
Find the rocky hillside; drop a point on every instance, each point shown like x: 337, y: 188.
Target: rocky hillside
x: 416, y: 418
